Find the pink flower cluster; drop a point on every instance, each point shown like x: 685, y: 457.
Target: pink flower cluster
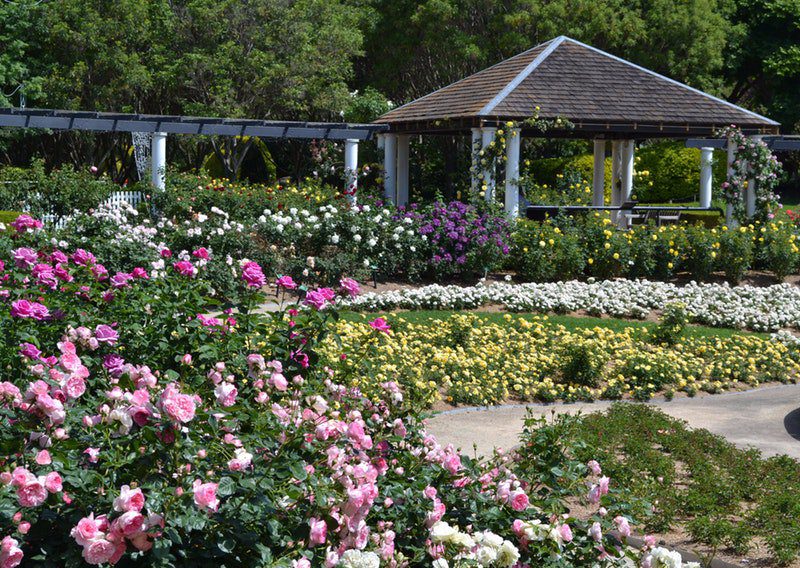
x: 106, y: 542
x: 25, y: 223
x: 180, y: 408
x: 25, y: 309
x: 320, y: 299
x: 32, y: 490
x: 10, y: 553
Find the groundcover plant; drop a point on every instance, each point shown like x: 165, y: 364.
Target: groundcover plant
x: 140, y: 430
x: 465, y: 360
x: 748, y: 307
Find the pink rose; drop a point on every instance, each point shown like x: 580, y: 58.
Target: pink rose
x: 205, y: 496
x: 179, y: 407
x: 318, y: 531
x: 350, y: 287
x: 32, y: 493
x: 106, y: 334
x: 86, y: 530
x: 185, y: 268
x: 566, y: 533
x: 43, y: 458
x: 99, y: 551
x: 315, y: 299
x: 129, y: 500
x: 10, y: 553
x: 226, y: 394
x: 452, y: 463
x: 380, y: 324
x: 130, y: 523
x: 253, y: 275
x: 286, y: 282
x: 594, y: 467
x: 596, y: 532
x: 623, y: 526
x: 53, y: 482
x: 519, y: 500
x: 201, y: 253
x: 83, y: 257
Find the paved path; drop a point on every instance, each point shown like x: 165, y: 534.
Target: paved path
x: 767, y: 418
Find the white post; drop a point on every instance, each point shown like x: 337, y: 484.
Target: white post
x: 706, y: 176
x: 628, y: 147
x: 475, y: 162
x: 729, y: 220
x: 487, y: 137
x: 599, y: 175
x: 390, y: 168
x: 616, y: 169
x: 750, y: 196
x: 350, y: 169
x: 513, y: 141
x: 402, y: 169
x: 158, y: 160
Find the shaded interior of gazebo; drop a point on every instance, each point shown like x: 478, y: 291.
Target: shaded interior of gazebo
x: 599, y: 96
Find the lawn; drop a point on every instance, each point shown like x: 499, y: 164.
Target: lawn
x: 726, y: 499
x: 571, y: 323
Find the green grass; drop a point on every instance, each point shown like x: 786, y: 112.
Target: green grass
x: 8, y: 216
x: 569, y: 322
x: 724, y: 497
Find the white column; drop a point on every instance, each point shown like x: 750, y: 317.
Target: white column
x: 750, y: 196
x: 487, y: 137
x: 402, y: 169
x: 729, y: 220
x: 706, y: 176
x: 616, y: 162
x: 350, y: 169
x: 513, y: 140
x: 158, y: 160
x: 626, y: 173
x: 390, y: 167
x: 599, y: 175
x: 476, y: 144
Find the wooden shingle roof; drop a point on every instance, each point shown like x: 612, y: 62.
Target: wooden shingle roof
x: 596, y: 91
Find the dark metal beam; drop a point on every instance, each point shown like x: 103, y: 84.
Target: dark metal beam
x: 119, y: 122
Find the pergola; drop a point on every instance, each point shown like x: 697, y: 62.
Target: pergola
x: 163, y: 125
x: 602, y: 97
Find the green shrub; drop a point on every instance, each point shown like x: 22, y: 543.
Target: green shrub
x: 735, y: 253
x: 670, y: 327
x: 582, y: 364
x: 543, y: 252
x: 776, y: 246
x: 701, y: 252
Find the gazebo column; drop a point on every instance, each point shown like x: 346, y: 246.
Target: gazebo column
x: 475, y: 160
x: 729, y: 220
x: 599, y: 175
x: 616, y: 168
x: 750, y: 195
x: 390, y: 167
x: 487, y: 137
x: 351, y: 169
x: 402, y: 169
x: 513, y: 142
x: 158, y: 160
x: 626, y: 178
x: 706, y: 176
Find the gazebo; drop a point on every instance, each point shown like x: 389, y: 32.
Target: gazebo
x: 601, y: 97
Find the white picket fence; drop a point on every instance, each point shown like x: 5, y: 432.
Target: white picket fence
x: 133, y: 198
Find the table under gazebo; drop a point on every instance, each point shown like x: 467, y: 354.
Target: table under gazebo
x: 599, y: 96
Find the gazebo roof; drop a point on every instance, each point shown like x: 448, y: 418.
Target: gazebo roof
x: 599, y: 93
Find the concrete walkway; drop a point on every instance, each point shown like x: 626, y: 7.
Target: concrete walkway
x: 767, y: 418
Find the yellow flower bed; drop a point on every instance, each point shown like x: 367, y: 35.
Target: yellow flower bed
x: 467, y: 360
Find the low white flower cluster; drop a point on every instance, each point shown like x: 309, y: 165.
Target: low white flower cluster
x: 664, y: 558
x: 486, y: 548
x: 746, y: 307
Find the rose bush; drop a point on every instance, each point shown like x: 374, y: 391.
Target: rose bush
x: 139, y: 430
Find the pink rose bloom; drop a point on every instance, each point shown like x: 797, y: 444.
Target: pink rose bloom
x: 99, y: 551
x: 226, y: 394
x: 86, y: 530
x: 278, y: 381
x: 100, y: 272
x: 185, y: 268
x: 436, y: 515
x: 452, y: 463
x: 83, y: 257
x: 623, y: 526
x: 140, y: 272
x: 29, y: 350
x: 43, y: 458
x: 429, y: 492
x: 74, y: 387
x: 179, y: 407
x: 350, y: 287
x: 205, y: 496
x: 602, y: 485
x: 318, y: 531
x: 380, y: 324
x: 24, y: 257
x: 10, y: 553
x: 53, y: 482
x: 166, y: 253
x: 106, y: 334
x: 302, y: 562
x: 253, y: 275
x: 596, y: 532
x: 315, y: 300
x: 32, y: 493
x: 566, y: 533
x: 129, y: 500
x: 201, y: 253
x: 594, y: 467
x: 93, y: 453
x: 519, y: 500
x: 121, y: 280
x: 286, y: 282
x: 26, y: 309
x: 24, y: 223
x: 130, y: 523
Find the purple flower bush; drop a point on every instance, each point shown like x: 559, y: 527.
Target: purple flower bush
x: 463, y: 240
x: 137, y: 429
